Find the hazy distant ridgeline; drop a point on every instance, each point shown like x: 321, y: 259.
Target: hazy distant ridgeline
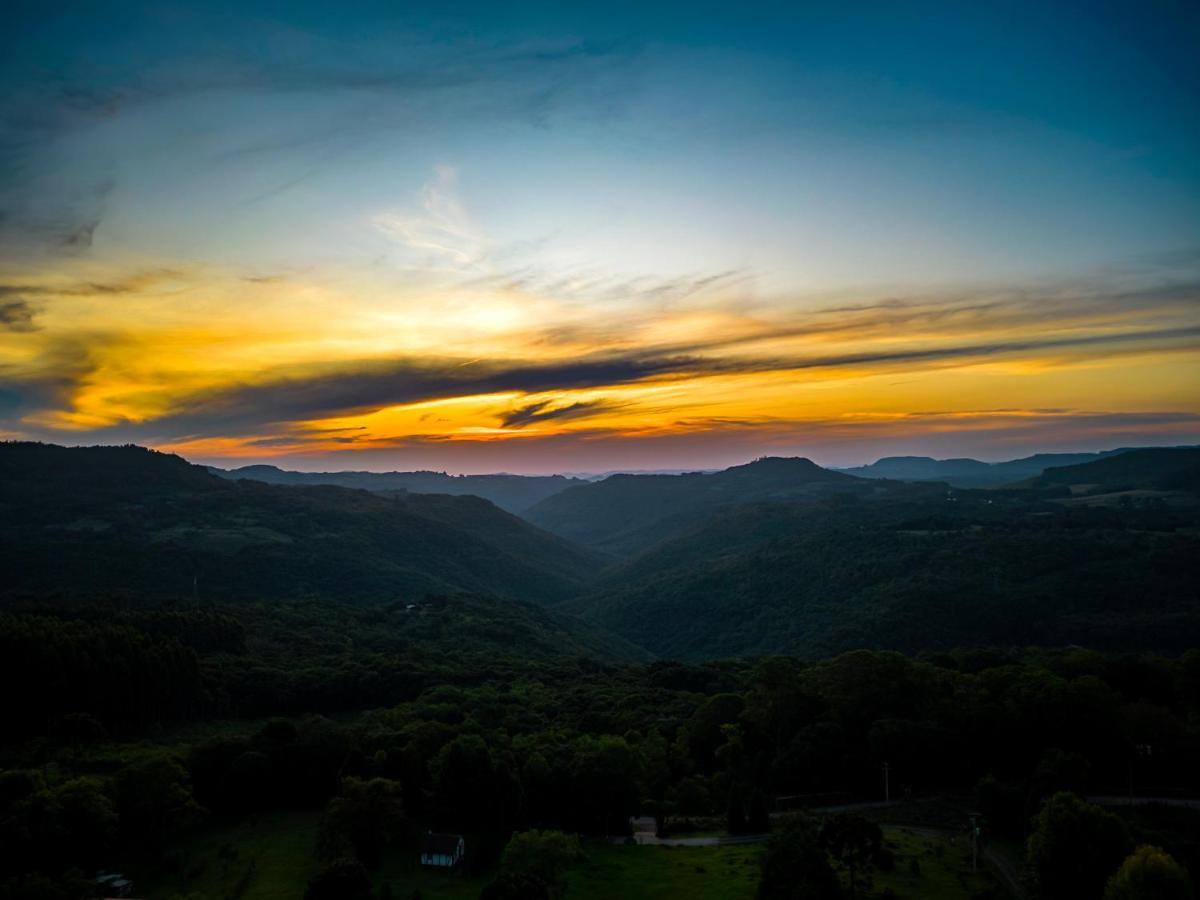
x: 97, y: 520
x: 625, y: 514
x: 964, y: 472
x: 514, y: 493
x: 973, y: 473
x: 519, y: 493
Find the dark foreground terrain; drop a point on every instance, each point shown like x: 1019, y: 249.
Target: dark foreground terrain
x: 222, y: 689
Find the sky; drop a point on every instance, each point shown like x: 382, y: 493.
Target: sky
x: 586, y: 237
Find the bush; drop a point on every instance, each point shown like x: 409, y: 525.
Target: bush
x: 796, y: 867
x: 1149, y: 873
x: 543, y: 856
x: 1074, y: 848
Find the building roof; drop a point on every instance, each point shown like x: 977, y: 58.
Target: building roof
x: 443, y: 844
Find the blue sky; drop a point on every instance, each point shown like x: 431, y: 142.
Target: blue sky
x: 577, y: 163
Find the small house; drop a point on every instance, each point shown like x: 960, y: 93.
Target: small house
x: 112, y: 884
x: 443, y: 850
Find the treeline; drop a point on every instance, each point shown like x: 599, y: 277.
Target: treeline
x: 130, y: 661
x: 910, y: 573
x: 578, y: 746
x: 116, y: 673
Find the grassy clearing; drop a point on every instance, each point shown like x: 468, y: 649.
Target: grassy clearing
x: 666, y: 873
x: 406, y: 875
x: 271, y: 859
x: 942, y: 871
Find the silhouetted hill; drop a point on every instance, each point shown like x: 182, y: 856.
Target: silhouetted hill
x: 910, y: 572
x: 969, y: 472
x: 624, y: 514
x: 97, y: 520
x: 514, y: 493
x: 1155, y: 469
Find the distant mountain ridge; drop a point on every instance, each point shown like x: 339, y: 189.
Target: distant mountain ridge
x: 1152, y: 468
x: 624, y: 514
x: 512, y: 493
x: 966, y: 472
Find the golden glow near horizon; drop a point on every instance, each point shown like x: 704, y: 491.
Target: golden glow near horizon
x: 213, y: 365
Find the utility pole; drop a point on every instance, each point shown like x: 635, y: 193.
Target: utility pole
x: 1140, y: 751
x: 974, y: 842
x: 887, y: 787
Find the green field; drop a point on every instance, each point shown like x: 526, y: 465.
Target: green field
x: 944, y: 866
x: 665, y: 873
x: 269, y: 857
x: 272, y: 857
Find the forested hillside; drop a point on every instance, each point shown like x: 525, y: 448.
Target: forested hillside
x: 128, y: 663
x: 917, y: 570
x: 625, y: 514
x: 103, y: 520
x: 1158, y: 468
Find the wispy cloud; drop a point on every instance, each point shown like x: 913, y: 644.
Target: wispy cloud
x: 438, y: 234
x: 62, y: 138
x: 441, y: 229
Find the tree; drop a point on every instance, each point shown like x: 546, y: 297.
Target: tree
x: 79, y: 728
x: 605, y: 774
x: 854, y: 842
x: 1149, y: 873
x: 88, y: 821
x: 796, y: 867
x: 691, y: 797
x: 735, y: 813
x: 342, y: 879
x: 758, y: 820
x: 468, y: 790
x: 363, y: 819
x: 546, y: 855
x: 154, y: 799
x: 1074, y: 848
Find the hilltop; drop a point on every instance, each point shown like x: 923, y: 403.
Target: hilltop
x: 624, y: 514
x: 102, y: 520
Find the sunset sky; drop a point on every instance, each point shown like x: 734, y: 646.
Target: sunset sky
x: 572, y: 237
